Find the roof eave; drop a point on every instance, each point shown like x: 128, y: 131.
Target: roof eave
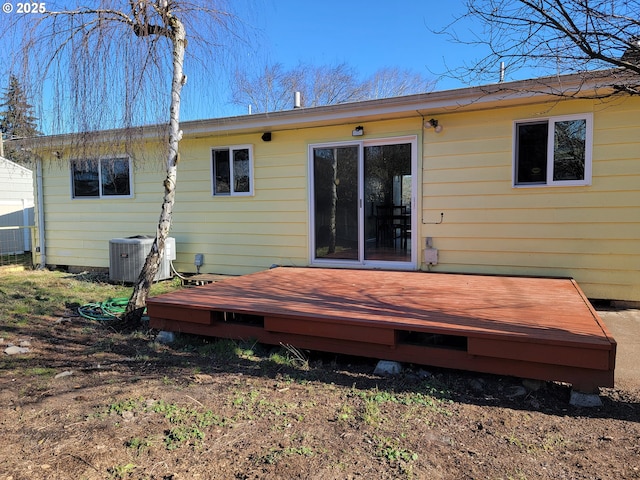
x: 425, y: 104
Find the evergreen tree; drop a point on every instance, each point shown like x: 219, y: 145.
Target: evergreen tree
x: 16, y: 120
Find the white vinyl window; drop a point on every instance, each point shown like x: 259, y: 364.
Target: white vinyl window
x: 232, y: 170
x: 101, y: 178
x: 554, y: 152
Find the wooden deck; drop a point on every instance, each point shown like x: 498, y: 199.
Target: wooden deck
x: 537, y: 328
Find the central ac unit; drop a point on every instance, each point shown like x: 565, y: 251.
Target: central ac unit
x: 127, y: 257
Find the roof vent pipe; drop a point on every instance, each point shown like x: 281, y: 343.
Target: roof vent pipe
x: 296, y: 100
x: 502, y: 68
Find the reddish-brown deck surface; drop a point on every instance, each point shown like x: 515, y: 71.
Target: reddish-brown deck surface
x: 529, y: 327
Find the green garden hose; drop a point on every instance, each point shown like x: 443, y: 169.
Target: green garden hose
x: 110, y: 309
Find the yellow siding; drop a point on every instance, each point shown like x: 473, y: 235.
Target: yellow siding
x: 243, y: 234
x: 591, y: 233
x: 78, y: 231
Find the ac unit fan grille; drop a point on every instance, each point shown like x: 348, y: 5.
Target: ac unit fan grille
x: 127, y: 257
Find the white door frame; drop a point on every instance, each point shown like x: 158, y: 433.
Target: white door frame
x: 362, y: 262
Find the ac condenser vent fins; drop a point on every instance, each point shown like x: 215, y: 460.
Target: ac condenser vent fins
x: 127, y: 256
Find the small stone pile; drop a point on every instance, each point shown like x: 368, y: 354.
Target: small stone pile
x: 13, y: 349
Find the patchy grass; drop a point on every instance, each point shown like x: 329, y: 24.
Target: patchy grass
x: 178, y: 425
x: 134, y: 408
x: 29, y: 294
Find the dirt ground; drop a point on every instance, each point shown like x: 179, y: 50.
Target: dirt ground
x: 87, y: 402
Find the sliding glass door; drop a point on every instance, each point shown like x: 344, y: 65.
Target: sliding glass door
x: 335, y: 200
x: 362, y: 199
x: 387, y: 196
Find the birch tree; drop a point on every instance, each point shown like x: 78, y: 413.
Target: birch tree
x: 113, y: 66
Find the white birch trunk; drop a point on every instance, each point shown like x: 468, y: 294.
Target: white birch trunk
x: 137, y: 302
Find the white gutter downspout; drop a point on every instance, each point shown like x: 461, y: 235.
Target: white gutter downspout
x: 41, y: 236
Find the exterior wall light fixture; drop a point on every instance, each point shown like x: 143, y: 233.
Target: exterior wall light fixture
x: 433, y: 123
x: 358, y: 131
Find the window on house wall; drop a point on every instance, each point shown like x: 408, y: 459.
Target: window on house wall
x: 105, y: 177
x: 232, y: 169
x: 555, y: 151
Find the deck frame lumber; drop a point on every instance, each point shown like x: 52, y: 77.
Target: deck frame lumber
x: 542, y: 328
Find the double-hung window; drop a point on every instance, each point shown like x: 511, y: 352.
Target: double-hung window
x: 232, y: 169
x: 555, y: 151
x: 104, y: 177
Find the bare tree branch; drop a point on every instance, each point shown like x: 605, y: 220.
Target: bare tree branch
x: 552, y: 36
x: 272, y: 89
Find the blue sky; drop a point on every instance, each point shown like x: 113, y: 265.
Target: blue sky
x: 367, y: 35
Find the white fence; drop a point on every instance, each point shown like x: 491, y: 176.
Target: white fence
x: 11, y: 239
x: 14, y: 216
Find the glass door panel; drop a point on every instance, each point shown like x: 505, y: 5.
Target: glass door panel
x: 387, y: 201
x: 335, y: 203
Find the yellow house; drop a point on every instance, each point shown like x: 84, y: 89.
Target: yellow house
x: 504, y: 179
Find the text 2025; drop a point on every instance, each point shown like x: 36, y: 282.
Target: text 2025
x: 31, y: 7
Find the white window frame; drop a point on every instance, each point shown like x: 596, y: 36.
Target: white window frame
x: 550, y: 182
x: 232, y: 192
x: 99, y: 163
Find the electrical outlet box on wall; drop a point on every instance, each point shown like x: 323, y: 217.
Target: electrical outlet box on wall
x: 431, y: 256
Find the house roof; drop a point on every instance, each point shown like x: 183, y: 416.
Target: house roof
x: 598, y: 83
x: 6, y: 163
x: 419, y: 105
